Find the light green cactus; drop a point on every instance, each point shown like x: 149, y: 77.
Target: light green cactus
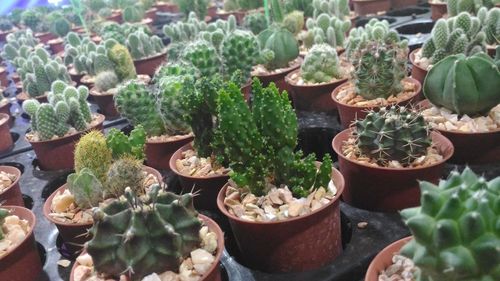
x: 86, y: 188
x: 326, y: 29
x: 241, y: 5
x: 86, y: 56
x: 455, y: 7
x: 3, y: 214
x: 106, y: 80
x: 18, y: 47
x: 306, y: 6
x: 122, y: 60
x: 255, y: 22
x: 321, y: 64
x: 199, y: 7
x: 337, y: 8
x: 141, y: 45
x: 294, y: 22
x: 240, y: 51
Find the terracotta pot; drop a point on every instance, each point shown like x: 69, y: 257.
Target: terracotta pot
x: 106, y: 104
x: 399, y: 4
x: 4, y: 80
x: 366, y: 7
x: 45, y: 37
x: 158, y: 154
x: 22, y: 263
x: 23, y: 96
x: 278, y: 78
x: 12, y: 195
x: 87, y: 81
x: 384, y: 259
x: 5, y: 109
x: 56, y: 45
x: 151, y: 14
x: 246, y: 90
x: 239, y: 15
x: 166, y: 7
x: 58, y: 154
x: 387, y: 189
x: 472, y: 148
x: 349, y: 113
x: 438, y: 10
x: 208, y: 187
x: 116, y: 17
x: 212, y: 11
x: 417, y: 72
x: 315, y: 98
x: 7, y: 143
x: 297, y: 244
x: 149, y: 65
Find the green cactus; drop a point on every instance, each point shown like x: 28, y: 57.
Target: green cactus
x: 86, y: 188
x: 245, y: 5
x: 374, y: 30
x: 133, y: 13
x: 31, y: 19
x: 124, y: 172
x: 326, y: 29
x: 240, y: 51
x: 203, y: 56
x: 294, y: 22
x: 281, y: 46
x: 122, y: 145
x: 255, y: 22
x: 395, y: 134
x: 178, y: 68
x: 455, y: 230
x: 136, y: 238
x: 321, y: 64
x: 464, y: 85
x: 170, y: 109
x: 92, y: 153
x: 86, y: 56
x: 199, y: 7
x: 105, y: 81
x: 455, y: 7
x: 142, y: 46
x: 337, y: 8
x: 60, y: 26
x: 124, y: 65
x: 490, y: 22
x: 305, y: 6
x: 5, y: 24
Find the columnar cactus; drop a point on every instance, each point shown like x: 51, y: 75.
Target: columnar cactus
x: 124, y: 65
x: 141, y: 45
x: 455, y: 230
x: 255, y: 22
x: 490, y: 22
x: 86, y: 56
x: 395, y: 134
x: 326, y: 29
x: 240, y: 50
x: 338, y: 8
x: 18, y: 47
x: 321, y: 64
x: 92, y: 153
x: 465, y: 85
x: 455, y: 7
x: 203, y: 56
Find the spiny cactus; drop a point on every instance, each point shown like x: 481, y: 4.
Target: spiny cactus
x: 124, y: 65
x: 321, y: 64
x: 306, y: 6
x: 457, y: 35
x: 455, y: 7
x: 240, y: 50
x: 5, y: 24
x: 182, y: 32
x: 133, y: 13
x: 120, y: 32
x: 18, y: 47
x: 490, y: 22
x: 142, y: 46
x: 464, y: 85
x: 92, y: 153
x: 106, y: 80
x: 86, y: 56
x: 170, y: 90
x: 255, y: 22
x: 131, y: 145
x: 124, y: 172
x: 86, y: 188
x: 199, y: 7
x: 455, y: 230
x: 338, y: 8
x: 31, y: 19
x: 136, y: 238
x: 178, y: 68
x: 294, y: 22
x: 326, y: 29
x: 237, y: 5
x: 203, y: 56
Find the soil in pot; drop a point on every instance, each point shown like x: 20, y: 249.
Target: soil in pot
x: 277, y: 76
x: 388, y: 263
x: 10, y: 192
x: 7, y: 143
x: 148, y: 66
x: 366, y: 7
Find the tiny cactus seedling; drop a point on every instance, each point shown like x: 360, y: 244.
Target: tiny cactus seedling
x: 321, y: 64
x: 93, y: 154
x: 141, y: 45
x: 326, y: 29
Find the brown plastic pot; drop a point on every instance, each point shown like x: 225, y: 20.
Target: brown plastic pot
x: 472, y: 148
x: 5, y: 109
x: 367, y: 7
x: 278, y: 78
x: 247, y: 90
x: 22, y: 263
x: 438, y: 10
x: 3, y: 35
x: 158, y: 154
x: 239, y: 15
x: 58, y: 154
x: 349, y: 113
x: 106, y: 104
x: 399, y: 4
x: 212, y: 10
x: 151, y: 14
x: 417, y: 72
x: 75, y: 77
x: 23, y: 96
x: 387, y: 189
x: 149, y: 65
x: 384, y: 259
x: 293, y: 245
x: 208, y: 187
x: 165, y: 7
x: 45, y: 37
x: 315, y: 98
x: 56, y: 45
x: 12, y: 195
x: 15, y: 77
x: 116, y: 17
x: 4, y: 80
x: 6, y: 142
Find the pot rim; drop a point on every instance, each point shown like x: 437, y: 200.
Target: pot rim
x: 290, y: 81
x: 285, y: 70
x: 173, y: 167
x: 433, y: 134
x: 55, y: 41
x: 412, y: 60
x: 12, y: 210
x: 18, y: 174
x: 389, y: 249
x: 23, y: 96
x: 162, y: 53
x: 432, y: 3
x: 340, y: 189
x: 4, y: 120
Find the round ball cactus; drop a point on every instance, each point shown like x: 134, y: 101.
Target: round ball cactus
x: 282, y: 44
x: 321, y: 64
x: 124, y: 172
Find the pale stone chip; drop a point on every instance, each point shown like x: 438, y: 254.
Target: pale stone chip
x: 64, y: 263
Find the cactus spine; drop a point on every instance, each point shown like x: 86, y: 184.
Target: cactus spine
x: 326, y: 29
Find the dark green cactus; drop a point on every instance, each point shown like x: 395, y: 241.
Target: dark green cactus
x: 122, y: 145
x: 203, y: 56
x: 395, y: 134
x: 240, y: 50
x: 31, y: 19
x: 455, y: 229
x: 170, y: 90
x: 321, y: 64
x: 305, y: 6
x: 255, y: 22
x: 137, y: 238
x: 133, y: 13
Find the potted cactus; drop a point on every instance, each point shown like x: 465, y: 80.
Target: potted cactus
x: 490, y: 19
x: 464, y: 105
x: 19, y: 251
x: 179, y: 236
x: 368, y: 7
x: 7, y: 142
x: 461, y: 210
x: 199, y: 7
x: 458, y: 35
x: 383, y: 157
x: 15, y: 51
x: 238, y: 8
x: 6, y: 27
x: 136, y: 14
x: 255, y: 22
x: 10, y: 193
x: 147, y: 51
x: 379, y: 77
x: 60, y: 27
x: 266, y: 174
x: 58, y: 124
x: 455, y: 7
x: 34, y: 19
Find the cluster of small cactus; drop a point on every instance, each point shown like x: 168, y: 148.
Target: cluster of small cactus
x: 133, y: 13
x: 182, y: 32
x: 203, y: 55
x: 142, y: 45
x: 240, y: 51
x: 245, y: 5
x: 86, y: 56
x: 59, y: 25
x: 465, y: 85
x: 457, y: 35
x: 67, y: 108
x: 199, y: 7
x: 18, y: 46
x: 176, y: 68
x: 490, y: 22
x: 338, y: 8
x: 306, y: 6
x: 32, y: 19
x: 455, y: 7
x: 264, y: 149
x: 123, y: 145
x: 394, y: 134
x: 255, y: 22
x: 455, y: 229
x: 294, y: 22
x: 321, y: 64
x: 325, y: 29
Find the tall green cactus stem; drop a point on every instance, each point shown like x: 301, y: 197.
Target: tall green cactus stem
x: 338, y: 8
x: 124, y: 65
x: 142, y: 46
x: 199, y: 7
x: 281, y: 45
x: 464, y: 85
x: 326, y: 29
x: 255, y: 22
x: 86, y: 188
x: 137, y: 238
x: 240, y: 51
x: 455, y: 7
x: 321, y: 64
x: 169, y: 105
x: 92, y: 153
x: 124, y: 172
x: 455, y: 229
x: 203, y: 56
x: 122, y: 145
x: 395, y: 134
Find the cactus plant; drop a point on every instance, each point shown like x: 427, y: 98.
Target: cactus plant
x: 92, y: 153
x: 490, y: 22
x: 374, y: 30
x: 203, y: 56
x: 178, y: 68
x: 133, y: 13
x: 31, y: 19
x: 18, y: 47
x: 455, y: 230
x: 170, y: 90
x: 86, y: 56
x: 182, y: 32
x: 255, y: 22
x: 141, y: 45
x: 338, y: 8
x: 86, y: 188
x: 281, y: 46
x: 455, y: 7
x: 122, y: 145
x: 136, y: 238
x: 199, y: 7
x: 321, y: 64
x: 326, y: 29
x: 294, y: 22
x: 124, y: 65
x: 126, y: 172
x: 464, y: 85
x: 105, y: 81
x: 395, y: 134
x: 306, y: 6
x: 240, y: 50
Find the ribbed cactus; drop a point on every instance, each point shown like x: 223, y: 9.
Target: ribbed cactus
x: 203, y: 56
x: 141, y: 45
x: 255, y: 22
x: 455, y: 7
x: 86, y: 56
x: 490, y: 22
x: 338, y: 8
x: 125, y: 172
x: 240, y: 50
x: 6, y: 24
x: 326, y: 29
x: 455, y: 229
x: 18, y: 47
x: 281, y: 46
x: 106, y: 80
x: 124, y: 65
x: 395, y: 134
x: 136, y: 238
x: 133, y: 13
x: 321, y: 64
x: 178, y: 68
x: 464, y: 85
x: 457, y: 35
x: 92, y: 153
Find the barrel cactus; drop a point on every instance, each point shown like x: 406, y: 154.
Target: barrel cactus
x: 395, y: 134
x: 455, y: 229
x: 281, y: 45
x: 338, y: 8
x: 123, y: 173
x: 326, y: 29
x: 106, y: 80
x: 92, y: 153
x: 321, y: 64
x: 141, y: 45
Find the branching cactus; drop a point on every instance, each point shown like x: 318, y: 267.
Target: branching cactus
x: 123, y: 145
x: 136, y: 238
x: 326, y: 29
x: 490, y: 22
x: 199, y: 7
x: 86, y: 56
x: 18, y: 47
x: 455, y: 7
x: 203, y: 56
x: 321, y: 64
x: 465, y: 85
x: 374, y: 30
x: 457, y: 35
x: 240, y: 50
x: 255, y: 22
x: 455, y: 229
x: 133, y: 13
x: 395, y: 134
x: 125, y: 172
x: 338, y: 8
x: 142, y: 46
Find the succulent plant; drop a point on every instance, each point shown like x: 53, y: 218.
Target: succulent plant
x: 106, y: 80
x: 18, y: 47
x: 394, y: 134
x: 321, y: 64
x: 455, y: 7
x: 93, y: 153
x: 240, y: 50
x: 464, y: 85
x: 86, y: 56
x: 455, y: 229
x: 124, y: 65
x: 490, y: 22
x: 326, y: 29
x: 136, y: 238
x: 338, y: 8
x: 279, y: 45
x: 6, y: 24
x: 120, y: 32
x: 457, y: 35
x: 203, y: 55
x: 126, y: 172
x: 178, y: 68
x: 294, y: 22
x: 374, y: 30
x: 31, y: 19
x: 237, y: 5
x: 86, y: 188
x: 306, y: 6
x: 123, y: 145
x: 182, y: 32
x: 199, y: 7
x: 141, y: 45
x: 255, y: 22
x: 133, y: 13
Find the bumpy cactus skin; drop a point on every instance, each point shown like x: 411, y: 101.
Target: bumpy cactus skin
x: 18, y: 47
x: 31, y: 19
x: 171, y: 111
x: 142, y: 46
x: 338, y: 8
x: 455, y: 7
x: 122, y: 145
x: 86, y: 56
x: 294, y: 22
x: 326, y: 29
x: 490, y: 22
x: 455, y: 230
x: 240, y: 51
x: 282, y: 46
x: 393, y: 134
x: 124, y: 65
x: 464, y: 85
x: 133, y: 13
x: 203, y: 56
x: 138, y: 238
x: 92, y: 153
x: 199, y: 7
x: 106, y: 80
x: 124, y: 172
x: 255, y: 22
x: 321, y: 64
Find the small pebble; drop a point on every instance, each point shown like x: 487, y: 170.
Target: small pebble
x: 362, y: 225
